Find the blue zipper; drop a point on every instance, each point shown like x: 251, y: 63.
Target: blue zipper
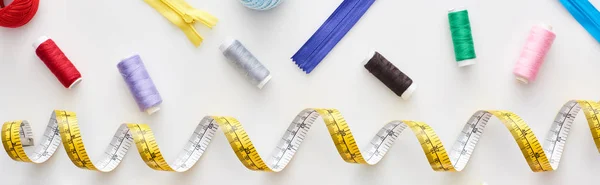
x: 330, y: 33
x: 586, y: 14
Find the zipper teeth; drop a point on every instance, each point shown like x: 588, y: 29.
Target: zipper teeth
x: 336, y: 29
x: 322, y: 41
x: 175, y: 9
x: 588, y: 11
x: 585, y: 12
x: 347, y: 22
x: 302, y: 58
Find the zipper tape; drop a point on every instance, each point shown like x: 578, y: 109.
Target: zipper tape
x: 184, y: 16
x: 586, y: 14
x: 63, y: 127
x: 330, y: 33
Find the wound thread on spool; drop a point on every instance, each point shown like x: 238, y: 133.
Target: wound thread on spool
x: 462, y: 37
x: 245, y: 62
x: 261, y: 4
x: 57, y: 62
x: 17, y: 13
x: 534, y: 52
x: 140, y: 84
x: 390, y: 75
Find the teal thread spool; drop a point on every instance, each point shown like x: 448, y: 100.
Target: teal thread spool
x: 462, y: 38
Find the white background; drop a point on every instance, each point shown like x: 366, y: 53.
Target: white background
x: 195, y: 82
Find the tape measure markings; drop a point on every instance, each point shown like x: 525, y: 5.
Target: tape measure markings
x: 471, y: 127
x: 554, y: 136
x: 17, y: 134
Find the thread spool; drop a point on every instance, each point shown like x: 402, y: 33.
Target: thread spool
x: 261, y: 4
x: 140, y: 84
x: 17, y: 13
x: 462, y: 38
x: 245, y: 62
x: 390, y: 75
x: 57, y: 62
x: 534, y: 52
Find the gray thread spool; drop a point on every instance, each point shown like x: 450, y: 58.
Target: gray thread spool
x: 245, y: 62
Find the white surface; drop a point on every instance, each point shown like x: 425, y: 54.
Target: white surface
x: 195, y: 82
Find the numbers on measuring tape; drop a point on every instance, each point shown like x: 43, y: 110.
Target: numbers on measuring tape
x: 63, y: 128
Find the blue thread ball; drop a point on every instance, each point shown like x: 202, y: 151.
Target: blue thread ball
x: 261, y: 4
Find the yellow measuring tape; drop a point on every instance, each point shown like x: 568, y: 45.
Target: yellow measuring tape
x: 63, y: 127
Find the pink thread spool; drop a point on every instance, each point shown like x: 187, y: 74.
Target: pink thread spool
x: 533, y: 54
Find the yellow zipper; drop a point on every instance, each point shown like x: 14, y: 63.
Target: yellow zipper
x: 184, y: 16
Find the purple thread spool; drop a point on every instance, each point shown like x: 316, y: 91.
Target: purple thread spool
x: 140, y: 84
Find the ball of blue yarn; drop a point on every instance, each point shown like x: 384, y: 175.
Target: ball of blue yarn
x: 261, y: 4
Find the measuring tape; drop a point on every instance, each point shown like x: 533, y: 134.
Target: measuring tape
x: 63, y: 127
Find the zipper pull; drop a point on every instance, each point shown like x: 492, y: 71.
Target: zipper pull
x: 184, y: 16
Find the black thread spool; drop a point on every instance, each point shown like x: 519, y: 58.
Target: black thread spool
x: 390, y: 75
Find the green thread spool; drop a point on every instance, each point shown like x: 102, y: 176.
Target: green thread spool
x: 462, y: 39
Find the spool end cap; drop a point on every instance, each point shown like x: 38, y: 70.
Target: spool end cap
x: 264, y: 82
x: 152, y: 110
x: 369, y: 57
x: 129, y: 56
x: 522, y: 79
x: 408, y: 93
x: 458, y: 9
x: 546, y: 26
x: 39, y: 41
x: 465, y: 63
x: 228, y: 42
x: 75, y: 83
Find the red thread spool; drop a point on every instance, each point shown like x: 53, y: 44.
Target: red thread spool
x: 57, y: 62
x: 17, y: 13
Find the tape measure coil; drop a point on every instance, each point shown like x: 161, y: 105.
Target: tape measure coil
x: 63, y: 128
